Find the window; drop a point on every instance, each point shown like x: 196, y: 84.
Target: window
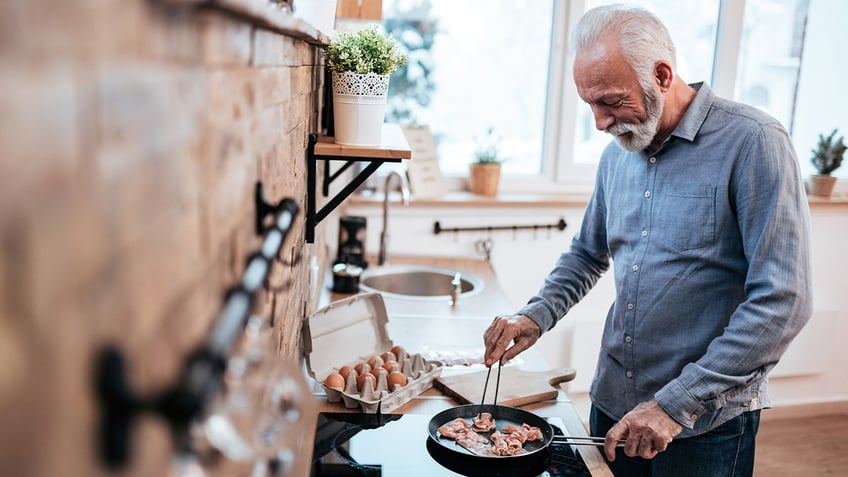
x: 505, y: 65
x: 474, y: 66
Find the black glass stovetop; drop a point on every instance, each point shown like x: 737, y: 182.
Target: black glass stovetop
x: 395, y: 445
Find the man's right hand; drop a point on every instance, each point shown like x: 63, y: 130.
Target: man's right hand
x: 518, y: 330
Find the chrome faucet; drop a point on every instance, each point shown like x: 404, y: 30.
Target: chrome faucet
x: 404, y: 193
x: 456, y: 289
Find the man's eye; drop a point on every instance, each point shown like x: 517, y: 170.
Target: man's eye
x: 615, y: 104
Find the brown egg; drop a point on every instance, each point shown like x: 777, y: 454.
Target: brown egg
x: 396, y: 378
x: 377, y: 372
x: 375, y: 362
x: 396, y: 349
x: 362, y: 368
x: 344, y: 371
x: 360, y: 381
x: 391, y: 366
x: 388, y: 356
x: 335, y: 380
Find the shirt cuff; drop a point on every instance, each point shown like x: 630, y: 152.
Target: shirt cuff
x: 679, y: 404
x: 540, y: 314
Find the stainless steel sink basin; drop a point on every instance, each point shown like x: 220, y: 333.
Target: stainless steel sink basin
x: 418, y: 282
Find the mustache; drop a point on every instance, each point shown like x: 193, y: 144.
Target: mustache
x: 618, y: 129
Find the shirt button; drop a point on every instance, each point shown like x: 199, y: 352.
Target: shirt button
x: 629, y: 374
x: 652, y: 160
x: 628, y: 339
x: 694, y: 417
x: 647, y: 194
x: 630, y: 306
x: 635, y: 268
x: 644, y: 233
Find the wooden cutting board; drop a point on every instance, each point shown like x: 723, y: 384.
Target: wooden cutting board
x: 517, y: 386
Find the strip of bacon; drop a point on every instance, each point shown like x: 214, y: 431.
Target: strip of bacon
x: 474, y: 442
x: 483, y: 422
x: 454, y: 428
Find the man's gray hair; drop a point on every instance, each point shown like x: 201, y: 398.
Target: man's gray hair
x: 642, y: 37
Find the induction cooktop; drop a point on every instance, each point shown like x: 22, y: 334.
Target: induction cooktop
x: 394, y: 445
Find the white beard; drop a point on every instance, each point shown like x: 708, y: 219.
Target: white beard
x: 640, y: 135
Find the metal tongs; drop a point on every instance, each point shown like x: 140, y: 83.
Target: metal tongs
x: 573, y: 440
x: 486, y: 385
x: 583, y: 441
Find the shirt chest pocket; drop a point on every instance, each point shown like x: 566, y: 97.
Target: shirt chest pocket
x: 687, y: 216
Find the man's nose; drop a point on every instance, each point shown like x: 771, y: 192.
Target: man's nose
x: 603, y: 119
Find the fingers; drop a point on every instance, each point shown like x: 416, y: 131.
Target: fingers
x: 519, y: 330
x: 492, y: 338
x: 646, y: 430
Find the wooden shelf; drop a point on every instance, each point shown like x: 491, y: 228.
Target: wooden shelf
x: 393, y: 148
x: 393, y: 145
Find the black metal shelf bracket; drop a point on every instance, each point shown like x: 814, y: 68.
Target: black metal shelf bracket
x: 201, y: 376
x: 561, y: 225
x: 313, y: 217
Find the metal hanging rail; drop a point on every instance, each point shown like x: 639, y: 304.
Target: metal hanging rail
x: 561, y: 225
x: 200, y: 379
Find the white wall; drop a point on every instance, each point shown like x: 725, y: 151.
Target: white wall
x: 813, y: 370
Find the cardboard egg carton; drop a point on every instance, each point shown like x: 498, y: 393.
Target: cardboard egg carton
x: 349, y: 332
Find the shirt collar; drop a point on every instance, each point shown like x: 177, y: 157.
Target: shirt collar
x: 696, y: 113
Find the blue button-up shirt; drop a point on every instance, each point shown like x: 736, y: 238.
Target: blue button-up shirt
x: 709, y: 242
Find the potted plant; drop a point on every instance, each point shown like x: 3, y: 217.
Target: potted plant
x: 361, y: 63
x: 827, y: 157
x: 485, y: 171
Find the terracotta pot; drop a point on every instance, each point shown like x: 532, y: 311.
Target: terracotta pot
x: 822, y: 185
x: 484, y: 178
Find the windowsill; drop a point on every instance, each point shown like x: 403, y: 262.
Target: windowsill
x: 467, y: 199
x: 529, y: 199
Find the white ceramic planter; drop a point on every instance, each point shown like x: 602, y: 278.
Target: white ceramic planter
x: 359, y: 106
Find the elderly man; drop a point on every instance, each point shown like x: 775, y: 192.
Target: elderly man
x: 700, y: 207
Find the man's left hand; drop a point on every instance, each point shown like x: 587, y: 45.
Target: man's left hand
x: 647, y: 430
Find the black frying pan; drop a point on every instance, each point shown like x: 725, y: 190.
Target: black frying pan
x: 503, y: 415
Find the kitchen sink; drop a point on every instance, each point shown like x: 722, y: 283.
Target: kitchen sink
x: 419, y: 282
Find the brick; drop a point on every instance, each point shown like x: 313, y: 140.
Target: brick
x: 273, y: 86
x: 223, y: 40
x: 67, y: 246
x: 134, y: 102
x: 39, y: 102
x: 231, y: 96
x: 81, y: 29
x: 172, y: 34
x: 230, y: 176
x: 273, y: 49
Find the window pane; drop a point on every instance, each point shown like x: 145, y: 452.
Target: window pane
x: 770, y: 56
x: 474, y: 66
x: 692, y: 24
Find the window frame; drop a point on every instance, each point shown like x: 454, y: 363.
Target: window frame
x: 558, y: 169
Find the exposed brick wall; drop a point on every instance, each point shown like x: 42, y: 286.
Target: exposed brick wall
x: 132, y: 134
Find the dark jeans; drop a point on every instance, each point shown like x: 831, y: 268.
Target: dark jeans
x: 726, y: 451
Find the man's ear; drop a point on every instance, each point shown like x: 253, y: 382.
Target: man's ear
x: 663, y: 75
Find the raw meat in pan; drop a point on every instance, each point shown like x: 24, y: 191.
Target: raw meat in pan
x: 483, y: 422
x: 454, y: 428
x: 509, y: 441
x: 475, y: 443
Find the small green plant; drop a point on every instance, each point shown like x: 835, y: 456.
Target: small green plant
x: 487, y: 149
x: 365, y: 51
x: 827, y: 156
